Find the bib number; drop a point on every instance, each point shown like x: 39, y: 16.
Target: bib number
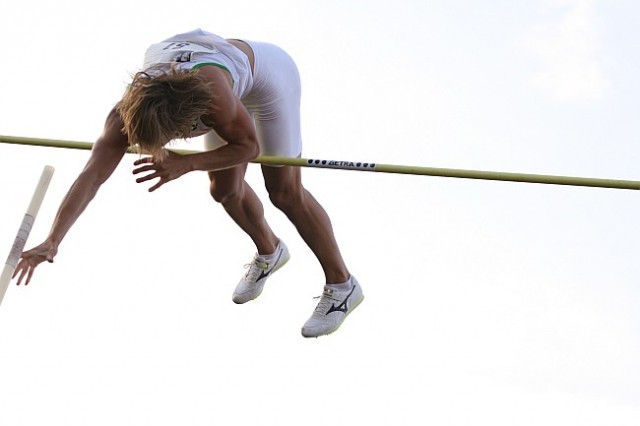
x: 176, y: 51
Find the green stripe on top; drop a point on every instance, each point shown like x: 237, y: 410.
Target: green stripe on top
x: 202, y: 64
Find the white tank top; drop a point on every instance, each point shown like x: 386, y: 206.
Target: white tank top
x: 194, y: 49
x: 197, y: 48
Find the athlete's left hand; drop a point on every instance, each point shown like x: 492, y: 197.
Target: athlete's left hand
x: 171, y: 167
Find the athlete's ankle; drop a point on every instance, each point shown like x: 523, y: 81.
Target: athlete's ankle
x: 338, y: 278
x: 267, y: 249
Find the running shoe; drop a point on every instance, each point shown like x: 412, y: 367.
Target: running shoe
x: 251, y: 285
x: 333, y: 308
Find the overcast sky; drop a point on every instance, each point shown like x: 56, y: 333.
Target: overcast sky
x: 486, y: 303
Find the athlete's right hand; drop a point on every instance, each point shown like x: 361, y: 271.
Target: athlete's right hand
x: 32, y: 258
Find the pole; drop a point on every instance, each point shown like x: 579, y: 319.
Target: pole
x: 25, y: 229
x: 384, y: 168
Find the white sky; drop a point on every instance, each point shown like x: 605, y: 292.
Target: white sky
x: 486, y: 303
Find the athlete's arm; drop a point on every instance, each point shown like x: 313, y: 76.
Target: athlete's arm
x: 229, y: 118
x: 105, y: 156
x: 232, y: 122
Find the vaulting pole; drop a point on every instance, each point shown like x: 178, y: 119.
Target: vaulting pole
x: 24, y: 230
x: 376, y: 167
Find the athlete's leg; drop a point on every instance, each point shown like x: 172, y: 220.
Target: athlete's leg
x: 309, y: 217
x: 229, y: 188
x: 275, y: 105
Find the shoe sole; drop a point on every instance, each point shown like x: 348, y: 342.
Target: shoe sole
x: 340, y: 323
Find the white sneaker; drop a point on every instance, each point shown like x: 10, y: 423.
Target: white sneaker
x: 333, y: 308
x: 251, y: 285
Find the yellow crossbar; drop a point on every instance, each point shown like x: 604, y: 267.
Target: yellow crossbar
x: 376, y: 167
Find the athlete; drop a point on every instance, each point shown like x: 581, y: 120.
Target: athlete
x: 244, y: 97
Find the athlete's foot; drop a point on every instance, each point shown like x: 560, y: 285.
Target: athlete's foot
x: 333, y: 308
x: 261, y: 268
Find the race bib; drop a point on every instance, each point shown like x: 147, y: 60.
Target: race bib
x: 174, y: 51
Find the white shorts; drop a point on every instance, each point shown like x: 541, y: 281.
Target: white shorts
x: 273, y: 101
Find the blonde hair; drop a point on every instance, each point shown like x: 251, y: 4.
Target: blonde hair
x: 160, y: 106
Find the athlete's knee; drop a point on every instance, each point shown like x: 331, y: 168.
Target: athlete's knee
x: 224, y: 192
x: 286, y: 199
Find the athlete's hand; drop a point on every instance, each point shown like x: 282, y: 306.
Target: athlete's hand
x: 32, y: 258
x: 171, y: 167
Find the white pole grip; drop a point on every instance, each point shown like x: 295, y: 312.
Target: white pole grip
x: 25, y: 230
x: 20, y: 241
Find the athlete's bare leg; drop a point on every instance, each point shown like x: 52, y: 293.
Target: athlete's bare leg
x: 309, y: 217
x: 229, y: 188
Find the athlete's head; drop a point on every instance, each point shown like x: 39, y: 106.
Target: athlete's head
x: 161, y: 106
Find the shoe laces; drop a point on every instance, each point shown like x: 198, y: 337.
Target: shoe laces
x: 326, y: 298
x: 255, y: 267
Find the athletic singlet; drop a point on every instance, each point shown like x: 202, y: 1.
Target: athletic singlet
x: 197, y: 48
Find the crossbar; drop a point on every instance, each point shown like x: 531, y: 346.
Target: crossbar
x: 376, y: 167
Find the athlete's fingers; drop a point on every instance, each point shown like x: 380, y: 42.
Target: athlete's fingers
x: 21, y: 277
x: 15, y: 271
x: 158, y: 185
x: 144, y: 160
x: 148, y: 177
x: 144, y: 169
x: 29, y: 273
